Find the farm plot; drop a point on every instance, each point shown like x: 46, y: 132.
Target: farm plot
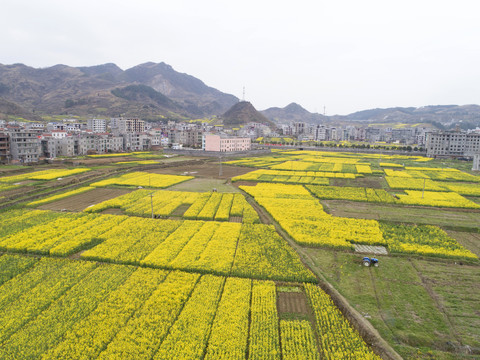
x: 143, y: 179
x: 225, y: 248
x: 405, y: 214
x: 443, y: 198
x: 81, y: 201
x: 43, y: 175
x: 308, y: 224
x: 103, y: 311
x: 352, y: 193
x: 6, y: 187
x: 205, y: 170
x: 304, y: 219
x: 433, y: 174
x: 436, y: 199
x: 189, y: 205
x: 299, y: 177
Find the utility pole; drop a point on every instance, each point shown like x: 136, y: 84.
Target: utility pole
x: 151, y: 202
x: 220, y: 170
x: 423, y: 191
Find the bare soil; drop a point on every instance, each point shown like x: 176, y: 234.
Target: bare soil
x: 179, y: 211
x: 205, y: 169
x: 81, y: 201
x: 292, y: 303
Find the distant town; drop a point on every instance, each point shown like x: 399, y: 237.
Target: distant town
x: 30, y: 142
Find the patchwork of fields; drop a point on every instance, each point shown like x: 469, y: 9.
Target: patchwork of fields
x: 126, y: 270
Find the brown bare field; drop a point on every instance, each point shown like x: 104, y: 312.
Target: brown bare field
x: 206, y: 169
x: 292, y: 303
x: 81, y: 201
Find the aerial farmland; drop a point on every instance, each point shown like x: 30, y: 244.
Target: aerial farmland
x: 148, y: 257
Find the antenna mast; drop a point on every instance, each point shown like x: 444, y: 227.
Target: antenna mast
x: 243, y: 94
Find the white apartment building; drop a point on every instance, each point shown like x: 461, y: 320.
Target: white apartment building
x: 97, y: 125
x: 452, y: 144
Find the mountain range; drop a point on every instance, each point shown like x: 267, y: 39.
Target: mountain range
x: 155, y: 91
x: 150, y: 91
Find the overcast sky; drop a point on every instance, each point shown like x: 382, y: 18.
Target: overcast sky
x: 346, y: 55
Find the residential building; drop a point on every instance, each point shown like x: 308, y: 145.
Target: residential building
x: 59, y: 134
x: 108, y: 143
x: 452, y: 144
x: 299, y: 128
x: 97, y: 125
x: 321, y: 133
x: 223, y: 143
x: 24, y: 145
x: 136, y: 141
x: 124, y: 126
x: 4, y: 147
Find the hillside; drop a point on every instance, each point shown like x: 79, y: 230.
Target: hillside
x: 242, y: 113
x: 466, y: 116
x: 293, y: 113
x: 161, y: 91
x: 10, y: 110
x: 448, y: 116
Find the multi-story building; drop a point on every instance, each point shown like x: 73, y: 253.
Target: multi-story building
x: 373, y: 134
x: 56, y: 126
x: 136, y: 141
x: 321, y: 133
x: 188, y: 137
x: 124, y: 126
x: 35, y: 126
x: 108, y: 143
x: 299, y: 128
x: 54, y: 146
x: 24, y: 145
x: 97, y: 125
x: 224, y: 143
x: 452, y: 144
x: 4, y: 147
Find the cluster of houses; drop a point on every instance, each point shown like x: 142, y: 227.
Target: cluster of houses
x: 371, y: 134
x: 29, y: 142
